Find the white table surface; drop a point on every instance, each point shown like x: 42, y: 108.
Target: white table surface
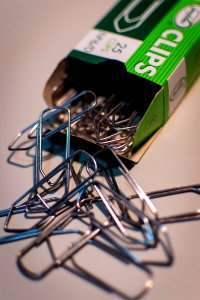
x: 34, y: 36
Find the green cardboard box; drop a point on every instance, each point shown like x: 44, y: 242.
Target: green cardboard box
x: 148, y: 50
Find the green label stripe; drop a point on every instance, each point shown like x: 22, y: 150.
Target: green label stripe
x: 181, y: 30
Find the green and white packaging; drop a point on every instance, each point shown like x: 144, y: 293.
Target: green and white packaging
x: 157, y: 41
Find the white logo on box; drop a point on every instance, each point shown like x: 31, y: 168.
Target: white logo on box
x: 188, y: 17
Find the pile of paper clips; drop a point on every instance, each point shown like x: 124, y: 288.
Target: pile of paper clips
x: 112, y: 123
x: 86, y: 200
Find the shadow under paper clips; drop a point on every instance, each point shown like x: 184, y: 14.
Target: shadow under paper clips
x: 78, y: 143
x: 26, y: 159
x: 22, y: 159
x: 120, y: 284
